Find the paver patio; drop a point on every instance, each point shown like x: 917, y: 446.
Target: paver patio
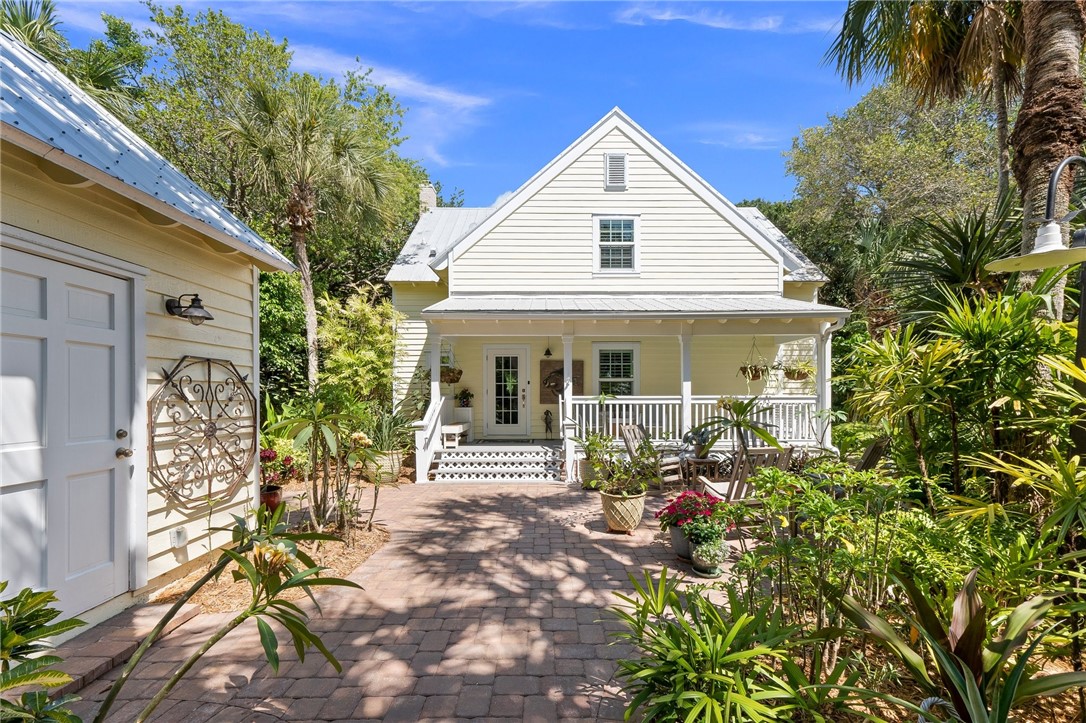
x: 487, y: 603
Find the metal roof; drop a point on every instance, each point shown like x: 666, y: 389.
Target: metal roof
x: 631, y: 307
x: 805, y: 269
x: 39, y: 101
x: 437, y: 231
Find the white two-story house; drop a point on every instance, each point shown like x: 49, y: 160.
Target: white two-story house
x: 616, y: 257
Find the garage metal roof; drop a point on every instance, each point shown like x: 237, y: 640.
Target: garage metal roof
x: 437, y: 231
x: 631, y: 307
x: 74, y: 131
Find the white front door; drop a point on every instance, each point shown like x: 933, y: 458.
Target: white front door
x: 506, y: 391
x: 65, y: 355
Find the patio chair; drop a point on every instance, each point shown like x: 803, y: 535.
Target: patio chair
x: 668, y: 467
x: 737, y: 487
x: 873, y: 455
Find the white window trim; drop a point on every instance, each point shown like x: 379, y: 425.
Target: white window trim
x: 607, y: 184
x: 596, y: 218
x: 634, y: 346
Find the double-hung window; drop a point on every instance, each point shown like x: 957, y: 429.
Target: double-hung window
x: 616, y: 367
x: 616, y: 244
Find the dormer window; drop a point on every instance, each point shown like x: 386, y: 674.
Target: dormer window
x: 614, y: 171
x: 616, y: 244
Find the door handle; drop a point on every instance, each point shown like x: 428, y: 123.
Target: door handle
x: 124, y: 452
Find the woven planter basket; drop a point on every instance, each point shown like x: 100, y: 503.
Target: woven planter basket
x: 386, y: 468
x: 451, y: 375
x: 623, y: 514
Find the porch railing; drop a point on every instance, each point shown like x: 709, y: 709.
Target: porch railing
x: 427, y: 438
x: 790, y: 418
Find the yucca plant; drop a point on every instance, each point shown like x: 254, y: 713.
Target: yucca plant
x: 984, y: 679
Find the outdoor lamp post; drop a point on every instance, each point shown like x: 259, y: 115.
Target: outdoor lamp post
x: 1049, y: 252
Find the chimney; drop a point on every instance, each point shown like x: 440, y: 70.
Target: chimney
x: 427, y: 197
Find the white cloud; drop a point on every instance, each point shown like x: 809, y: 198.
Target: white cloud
x: 743, y: 136
x: 645, y: 14
x: 436, y: 113
x: 502, y: 198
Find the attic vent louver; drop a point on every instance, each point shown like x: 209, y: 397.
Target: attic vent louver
x: 614, y: 171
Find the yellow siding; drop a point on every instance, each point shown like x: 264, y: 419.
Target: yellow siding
x: 546, y: 245
x: 179, y: 262
x: 411, y: 330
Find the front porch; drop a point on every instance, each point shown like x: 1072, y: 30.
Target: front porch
x: 555, y: 374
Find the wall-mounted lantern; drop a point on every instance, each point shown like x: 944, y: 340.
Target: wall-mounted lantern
x: 194, y: 311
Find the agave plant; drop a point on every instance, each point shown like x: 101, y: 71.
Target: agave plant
x: 985, y: 679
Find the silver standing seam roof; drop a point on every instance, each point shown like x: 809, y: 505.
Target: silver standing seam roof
x: 39, y: 101
x: 632, y: 306
x: 437, y: 231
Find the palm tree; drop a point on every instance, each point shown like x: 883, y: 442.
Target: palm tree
x: 308, y: 146
x: 939, y: 49
x: 34, y: 24
x: 1051, y: 123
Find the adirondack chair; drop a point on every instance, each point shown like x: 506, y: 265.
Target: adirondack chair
x: 669, y: 467
x: 873, y: 455
x: 737, y: 487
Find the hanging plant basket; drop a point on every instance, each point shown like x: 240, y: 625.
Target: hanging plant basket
x: 796, y: 375
x: 451, y: 375
x: 752, y: 372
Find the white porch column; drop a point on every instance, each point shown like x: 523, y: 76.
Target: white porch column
x: 685, y: 342
x: 823, y: 392
x: 567, y: 404
x: 435, y: 365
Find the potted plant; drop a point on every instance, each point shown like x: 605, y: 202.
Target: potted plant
x: 464, y: 397
x: 389, y: 435
x: 622, y: 494
x: 707, y: 558
x: 752, y: 372
x: 701, y: 441
x: 684, y: 509
x: 450, y: 374
x: 599, y: 457
x: 274, y: 469
x: 798, y: 371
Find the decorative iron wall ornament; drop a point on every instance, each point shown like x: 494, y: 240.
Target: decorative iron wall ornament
x: 202, y: 432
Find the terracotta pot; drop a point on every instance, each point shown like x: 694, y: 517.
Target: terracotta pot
x: 385, y: 468
x: 271, y: 496
x: 680, y: 543
x: 623, y: 514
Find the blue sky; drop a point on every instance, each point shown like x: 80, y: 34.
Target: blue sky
x: 495, y: 90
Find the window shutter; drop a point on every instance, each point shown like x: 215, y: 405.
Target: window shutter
x: 614, y: 171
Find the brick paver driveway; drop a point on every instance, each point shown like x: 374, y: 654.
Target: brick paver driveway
x: 488, y: 602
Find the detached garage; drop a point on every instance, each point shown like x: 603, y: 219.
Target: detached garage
x: 130, y: 329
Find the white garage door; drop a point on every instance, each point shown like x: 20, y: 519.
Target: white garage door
x: 66, y: 410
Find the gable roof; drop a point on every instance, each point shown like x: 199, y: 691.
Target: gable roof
x: 46, y: 113
x: 434, y: 234
x: 616, y: 119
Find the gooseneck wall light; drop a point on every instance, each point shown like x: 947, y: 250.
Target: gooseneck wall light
x: 1049, y: 252
x: 194, y: 310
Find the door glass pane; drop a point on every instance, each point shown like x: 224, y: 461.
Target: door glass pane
x: 506, y: 389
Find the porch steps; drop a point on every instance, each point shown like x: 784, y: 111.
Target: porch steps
x: 525, y: 463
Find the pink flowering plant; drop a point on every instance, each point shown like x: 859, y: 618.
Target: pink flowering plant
x: 687, y: 507
x: 275, y: 469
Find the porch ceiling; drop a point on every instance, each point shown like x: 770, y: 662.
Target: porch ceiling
x: 632, y: 307
x: 622, y: 315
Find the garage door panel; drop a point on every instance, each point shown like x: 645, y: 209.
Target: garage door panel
x: 92, y: 522
x: 91, y: 396
x: 89, y: 307
x: 22, y: 386
x: 22, y: 294
x: 22, y: 517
